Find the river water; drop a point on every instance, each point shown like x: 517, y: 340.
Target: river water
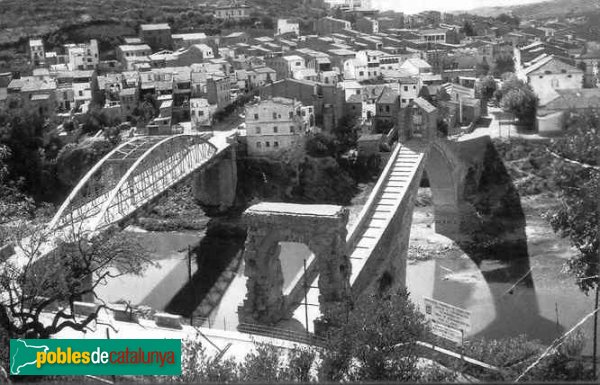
x: 494, y: 292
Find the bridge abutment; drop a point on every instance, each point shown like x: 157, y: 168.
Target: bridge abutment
x: 215, y: 186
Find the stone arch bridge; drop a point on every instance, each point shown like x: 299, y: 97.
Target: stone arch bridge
x: 374, y: 251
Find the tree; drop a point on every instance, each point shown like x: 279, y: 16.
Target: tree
x: 578, y: 178
x: 507, y: 19
x: 197, y: 366
x: 468, y: 28
x: 486, y: 87
x: 518, y: 98
x: 377, y: 343
x: 32, y: 284
x: 503, y: 64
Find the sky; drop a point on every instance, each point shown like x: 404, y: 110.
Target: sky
x: 413, y: 6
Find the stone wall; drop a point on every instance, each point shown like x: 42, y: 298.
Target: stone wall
x: 322, y: 228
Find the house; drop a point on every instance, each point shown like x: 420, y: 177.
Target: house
x: 218, y: 91
x: 31, y: 94
x: 285, y: 66
x: 82, y: 84
x: 589, y: 62
x: 128, y: 99
x: 367, y: 25
x: 262, y: 76
x: 328, y: 25
x: 157, y: 36
x: 201, y: 113
x: 126, y: 51
x: 36, y: 51
x: 185, y: 40
x: 285, y: 26
x: 551, y: 116
x: 232, y: 12
x: 273, y: 125
x: 409, y: 88
x: 387, y: 107
x: 366, y: 66
x: 418, y: 120
x: 354, y: 106
x: 550, y: 74
x: 83, y: 56
x: 416, y: 66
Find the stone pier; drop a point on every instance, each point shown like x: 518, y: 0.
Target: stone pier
x: 320, y: 227
x: 215, y: 185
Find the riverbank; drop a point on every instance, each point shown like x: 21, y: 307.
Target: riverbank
x: 494, y: 291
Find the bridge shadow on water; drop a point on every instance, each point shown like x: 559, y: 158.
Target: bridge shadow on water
x: 214, y: 253
x: 497, y: 243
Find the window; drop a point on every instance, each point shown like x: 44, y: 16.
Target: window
x: 569, y: 76
x: 403, y: 100
x: 275, y: 144
x: 361, y: 73
x: 275, y: 129
x: 291, y: 114
x: 541, y: 76
x: 555, y: 83
x: 405, y: 88
x: 258, y: 130
x: 267, y: 144
x: 258, y: 144
x: 200, y: 113
x: 255, y: 116
x: 387, y: 108
x: 292, y: 130
x: 274, y: 115
x: 80, y: 93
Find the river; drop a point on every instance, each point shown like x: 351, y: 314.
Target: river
x: 494, y: 292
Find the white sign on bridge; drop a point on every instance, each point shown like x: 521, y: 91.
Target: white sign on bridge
x: 447, y: 321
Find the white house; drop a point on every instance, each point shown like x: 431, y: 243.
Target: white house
x: 550, y: 74
x: 286, y: 26
x: 201, y: 113
x: 273, y: 125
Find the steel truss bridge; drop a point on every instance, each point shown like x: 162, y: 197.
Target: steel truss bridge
x: 131, y: 175
x: 126, y: 179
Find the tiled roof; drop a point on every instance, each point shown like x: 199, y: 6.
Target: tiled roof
x: 575, y: 98
x: 424, y: 104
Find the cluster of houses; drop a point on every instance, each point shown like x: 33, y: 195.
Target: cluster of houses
x: 383, y: 71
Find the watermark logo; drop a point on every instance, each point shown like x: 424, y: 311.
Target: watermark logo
x: 95, y: 357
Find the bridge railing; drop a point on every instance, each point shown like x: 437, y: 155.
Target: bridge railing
x: 261, y: 330
x: 283, y: 334
x: 357, y: 229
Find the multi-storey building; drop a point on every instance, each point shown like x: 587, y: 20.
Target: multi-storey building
x: 273, y: 125
x: 157, y: 36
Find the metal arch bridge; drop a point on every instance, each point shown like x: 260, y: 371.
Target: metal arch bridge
x: 130, y: 176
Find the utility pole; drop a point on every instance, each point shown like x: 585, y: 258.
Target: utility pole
x: 594, y: 355
x: 305, y: 298
x: 595, y: 349
x: 189, y: 258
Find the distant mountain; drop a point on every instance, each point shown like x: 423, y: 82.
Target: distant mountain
x: 543, y: 9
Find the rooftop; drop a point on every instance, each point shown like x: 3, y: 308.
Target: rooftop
x: 134, y: 47
x: 155, y: 27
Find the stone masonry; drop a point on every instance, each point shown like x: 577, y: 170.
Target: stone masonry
x: 320, y: 227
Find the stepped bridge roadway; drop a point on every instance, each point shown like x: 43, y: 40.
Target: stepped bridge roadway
x: 127, y: 179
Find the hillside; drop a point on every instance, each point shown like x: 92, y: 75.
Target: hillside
x: 543, y: 9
